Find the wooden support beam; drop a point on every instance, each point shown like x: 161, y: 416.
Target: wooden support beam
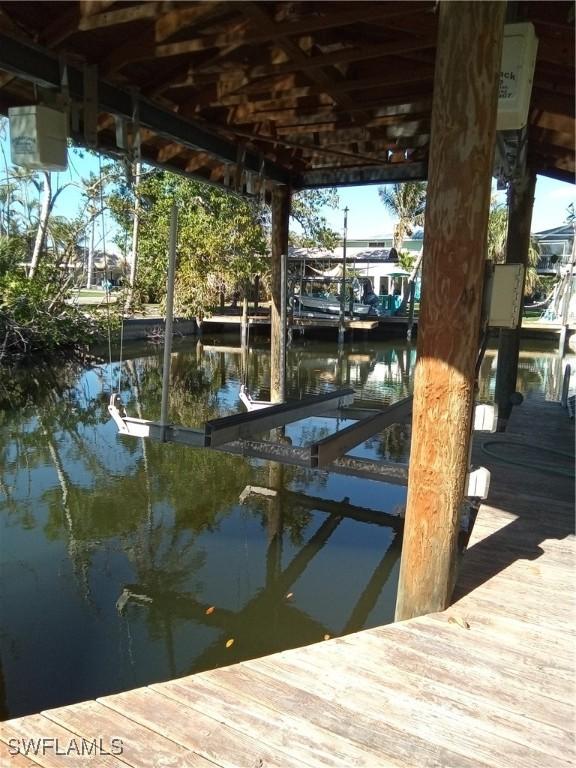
x: 179, y: 18
x: 345, y: 55
x: 379, y: 174
x: 460, y: 167
x: 280, y: 218
x: 307, y: 147
x: 325, y: 451
x: 148, y: 10
x: 324, y: 82
x: 236, y: 36
x: 520, y: 205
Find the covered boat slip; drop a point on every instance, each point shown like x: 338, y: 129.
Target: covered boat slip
x: 269, y: 98
x: 488, y: 682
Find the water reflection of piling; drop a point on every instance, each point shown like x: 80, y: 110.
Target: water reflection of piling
x: 274, y: 523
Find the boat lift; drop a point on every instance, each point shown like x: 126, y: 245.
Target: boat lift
x: 242, y: 433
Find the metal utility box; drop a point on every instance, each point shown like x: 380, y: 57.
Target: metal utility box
x: 504, y: 295
x: 516, y: 76
x: 38, y: 137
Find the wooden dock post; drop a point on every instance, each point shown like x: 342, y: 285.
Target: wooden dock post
x: 463, y: 134
x: 280, y: 217
x: 520, y: 204
x: 244, y: 323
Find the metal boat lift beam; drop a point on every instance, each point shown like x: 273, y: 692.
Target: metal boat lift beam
x: 244, y: 425
x: 300, y: 456
x: 325, y: 451
x: 394, y: 473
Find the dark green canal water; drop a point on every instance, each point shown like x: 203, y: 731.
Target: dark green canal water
x: 125, y: 562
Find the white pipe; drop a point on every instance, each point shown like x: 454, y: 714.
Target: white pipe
x: 169, y: 320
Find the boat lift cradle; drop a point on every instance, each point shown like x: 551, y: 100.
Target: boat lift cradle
x: 241, y: 434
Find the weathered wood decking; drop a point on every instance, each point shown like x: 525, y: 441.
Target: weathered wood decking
x: 489, y: 682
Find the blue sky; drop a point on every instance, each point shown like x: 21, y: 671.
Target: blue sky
x: 367, y: 217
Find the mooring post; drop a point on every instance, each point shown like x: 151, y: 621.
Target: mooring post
x: 520, y: 205
x: 244, y: 324
x: 280, y: 218
x: 256, y: 291
x: 169, y: 320
x: 463, y: 133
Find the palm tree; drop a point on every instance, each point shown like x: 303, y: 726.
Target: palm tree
x: 406, y: 203
x: 496, y: 245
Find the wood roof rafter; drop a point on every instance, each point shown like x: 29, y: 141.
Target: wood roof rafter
x: 325, y: 91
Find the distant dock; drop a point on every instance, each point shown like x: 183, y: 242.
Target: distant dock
x: 150, y: 324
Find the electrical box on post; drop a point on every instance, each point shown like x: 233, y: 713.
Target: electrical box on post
x: 516, y: 76
x: 38, y: 137
x: 504, y: 295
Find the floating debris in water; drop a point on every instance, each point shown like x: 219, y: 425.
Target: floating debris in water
x: 210, y: 610
x: 327, y: 637
x: 289, y: 595
x: 127, y: 595
x: 230, y: 643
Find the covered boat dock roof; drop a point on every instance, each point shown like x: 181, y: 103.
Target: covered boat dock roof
x: 303, y: 93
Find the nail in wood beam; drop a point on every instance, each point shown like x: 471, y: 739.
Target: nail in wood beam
x: 460, y: 167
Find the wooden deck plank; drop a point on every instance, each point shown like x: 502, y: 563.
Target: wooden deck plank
x: 14, y: 760
x: 469, y: 647
x: 293, y: 735
x: 510, y: 633
x: 426, y: 716
x: 190, y: 728
x: 479, y: 680
x: 408, y: 677
x: 497, y: 717
x: 320, y: 706
x: 39, y: 729
x: 141, y: 747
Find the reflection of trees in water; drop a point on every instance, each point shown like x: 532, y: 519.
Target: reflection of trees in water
x: 49, y: 400
x: 150, y: 501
